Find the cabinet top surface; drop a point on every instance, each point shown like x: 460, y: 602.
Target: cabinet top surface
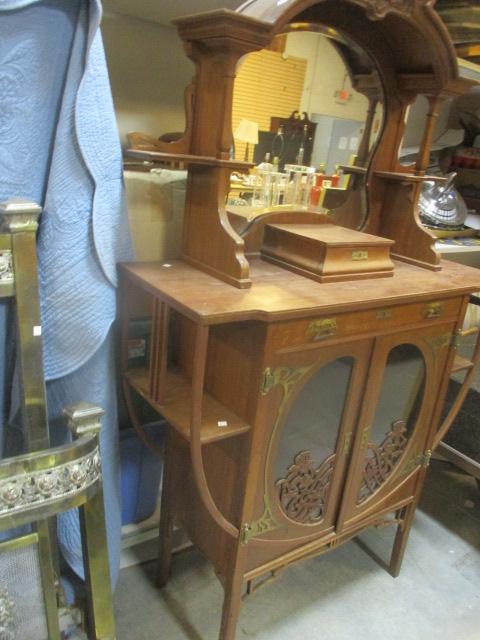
x: 277, y: 294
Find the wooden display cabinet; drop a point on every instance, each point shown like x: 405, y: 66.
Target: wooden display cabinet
x: 301, y: 412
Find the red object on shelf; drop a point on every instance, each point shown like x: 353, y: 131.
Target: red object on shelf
x: 317, y: 189
x: 335, y: 178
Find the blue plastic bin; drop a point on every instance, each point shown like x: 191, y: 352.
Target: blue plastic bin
x: 141, y: 471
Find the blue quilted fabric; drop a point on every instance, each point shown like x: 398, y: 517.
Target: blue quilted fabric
x: 59, y: 146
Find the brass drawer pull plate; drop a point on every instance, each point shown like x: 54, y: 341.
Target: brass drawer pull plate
x: 434, y: 310
x: 321, y: 329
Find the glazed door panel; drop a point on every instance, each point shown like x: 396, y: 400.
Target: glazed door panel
x: 311, y: 400
x: 395, y: 419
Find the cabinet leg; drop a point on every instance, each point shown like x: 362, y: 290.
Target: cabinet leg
x: 165, y: 532
x: 399, y: 545
x: 231, y: 606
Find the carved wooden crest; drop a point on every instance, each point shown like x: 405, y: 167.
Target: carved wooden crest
x: 378, y: 9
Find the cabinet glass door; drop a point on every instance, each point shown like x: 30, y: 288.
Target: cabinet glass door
x: 396, y: 415
x: 311, y: 405
x: 305, y: 459
x: 395, y: 419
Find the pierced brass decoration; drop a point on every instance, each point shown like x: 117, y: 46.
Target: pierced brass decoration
x: 383, y: 460
x: 359, y: 255
x: 321, y: 329
x: 6, y: 616
x: 6, y: 267
x: 303, y: 493
x: 21, y: 492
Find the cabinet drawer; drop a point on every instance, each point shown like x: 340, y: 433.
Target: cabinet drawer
x: 326, y: 328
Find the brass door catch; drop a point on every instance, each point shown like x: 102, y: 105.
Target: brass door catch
x: 321, y: 329
x: 347, y: 443
x: 365, y: 438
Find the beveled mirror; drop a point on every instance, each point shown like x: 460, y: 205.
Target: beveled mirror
x: 306, y: 112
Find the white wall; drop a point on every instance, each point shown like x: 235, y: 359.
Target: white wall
x: 148, y: 72
x: 325, y: 74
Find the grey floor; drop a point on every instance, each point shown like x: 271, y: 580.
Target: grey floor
x: 342, y: 595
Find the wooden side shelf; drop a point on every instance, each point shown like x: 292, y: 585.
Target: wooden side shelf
x: 407, y: 177
x: 348, y: 168
x: 176, y: 407
x: 461, y: 364
x: 159, y: 156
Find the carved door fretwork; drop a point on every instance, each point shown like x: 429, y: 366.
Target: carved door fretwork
x: 382, y: 459
x: 303, y: 492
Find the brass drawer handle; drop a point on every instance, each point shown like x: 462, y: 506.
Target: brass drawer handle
x: 434, y: 310
x: 321, y: 329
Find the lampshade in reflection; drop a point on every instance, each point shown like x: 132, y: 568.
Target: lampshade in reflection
x: 247, y: 131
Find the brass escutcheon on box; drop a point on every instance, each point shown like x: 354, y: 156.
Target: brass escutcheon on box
x: 434, y: 310
x: 383, y: 314
x: 359, y: 255
x: 321, y: 329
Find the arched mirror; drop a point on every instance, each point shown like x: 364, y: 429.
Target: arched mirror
x: 307, y: 112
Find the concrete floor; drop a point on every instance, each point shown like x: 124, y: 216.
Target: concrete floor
x: 342, y: 595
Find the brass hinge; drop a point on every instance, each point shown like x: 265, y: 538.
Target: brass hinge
x: 425, y: 459
x: 245, y: 534
x: 268, y: 381
x: 456, y: 339
x: 415, y: 461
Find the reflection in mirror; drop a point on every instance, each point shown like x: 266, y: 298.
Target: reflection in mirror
x: 306, y: 111
x: 397, y: 412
